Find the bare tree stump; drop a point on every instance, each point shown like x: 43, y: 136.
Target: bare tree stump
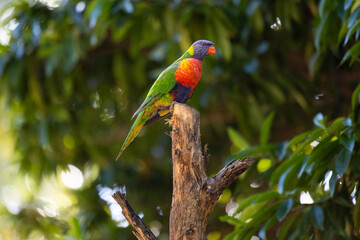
x: 194, y: 194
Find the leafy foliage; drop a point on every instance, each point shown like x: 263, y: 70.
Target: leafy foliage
x: 322, y: 164
x: 73, y: 72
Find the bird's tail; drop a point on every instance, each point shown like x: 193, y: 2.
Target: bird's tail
x: 135, y: 129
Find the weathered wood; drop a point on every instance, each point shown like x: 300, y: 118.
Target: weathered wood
x: 194, y: 194
x: 142, y: 232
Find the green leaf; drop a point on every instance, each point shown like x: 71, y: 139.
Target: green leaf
x: 355, y: 103
x: 352, y: 53
x: 317, y: 216
x: 356, y: 213
x: 332, y: 183
x: 346, y: 122
x: 325, y: 148
x: 231, y: 220
x: 341, y: 201
x: 265, y: 129
x: 348, y: 141
x: 269, y: 223
x: 267, y: 196
x: 282, y: 181
x: 280, y: 150
x: 337, y: 126
x: 256, y: 198
x: 263, y: 165
x: 238, y: 140
x: 321, y: 30
x: 93, y: 12
x: 319, y: 120
x: 300, y: 98
x: 315, y: 61
x: 232, y: 236
x: 347, y: 4
x: 355, y: 97
x: 75, y: 228
x: 251, y: 210
x: 299, y: 138
x: 3, y: 61
x: 225, y: 196
x: 353, y: 17
x: 284, y: 209
x: 222, y: 39
x: 294, y: 160
x: 303, y: 166
x: 214, y: 235
x: 284, y: 230
x: 342, y: 161
x: 351, y: 31
x: 342, y: 32
x: 252, y: 151
x: 256, y: 219
x: 324, y: 7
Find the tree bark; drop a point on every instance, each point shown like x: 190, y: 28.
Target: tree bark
x: 194, y: 194
x: 142, y: 232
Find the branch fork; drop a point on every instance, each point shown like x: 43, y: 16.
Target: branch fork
x: 194, y: 193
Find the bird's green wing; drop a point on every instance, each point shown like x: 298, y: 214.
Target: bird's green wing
x: 163, y: 84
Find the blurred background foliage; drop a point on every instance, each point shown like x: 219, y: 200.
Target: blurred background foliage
x: 280, y: 88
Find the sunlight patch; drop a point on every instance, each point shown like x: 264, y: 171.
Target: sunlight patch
x: 305, y: 198
x: 72, y: 178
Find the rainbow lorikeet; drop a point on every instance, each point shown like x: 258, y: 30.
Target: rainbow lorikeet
x: 175, y: 83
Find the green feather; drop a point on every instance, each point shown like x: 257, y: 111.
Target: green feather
x: 164, y: 83
x: 159, y: 91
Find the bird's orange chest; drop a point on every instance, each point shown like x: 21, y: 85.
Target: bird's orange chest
x: 189, y: 72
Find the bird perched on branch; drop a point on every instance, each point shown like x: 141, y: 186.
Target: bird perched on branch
x: 175, y: 83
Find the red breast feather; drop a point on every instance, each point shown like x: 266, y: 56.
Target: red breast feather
x: 189, y: 72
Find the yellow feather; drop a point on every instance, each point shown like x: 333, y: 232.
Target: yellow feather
x: 164, y: 112
x: 135, y: 129
x: 191, y: 50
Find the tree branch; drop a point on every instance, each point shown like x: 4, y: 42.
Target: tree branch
x: 194, y: 194
x: 229, y: 174
x: 142, y: 232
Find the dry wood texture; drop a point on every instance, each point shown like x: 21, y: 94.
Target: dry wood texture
x: 194, y: 194
x: 142, y: 232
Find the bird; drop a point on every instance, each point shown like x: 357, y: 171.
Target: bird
x: 175, y: 84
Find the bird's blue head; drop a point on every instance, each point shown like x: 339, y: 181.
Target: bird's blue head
x: 201, y: 49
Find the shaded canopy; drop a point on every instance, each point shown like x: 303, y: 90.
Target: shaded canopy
x: 73, y: 72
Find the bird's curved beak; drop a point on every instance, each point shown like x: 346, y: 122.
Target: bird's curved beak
x: 211, y: 50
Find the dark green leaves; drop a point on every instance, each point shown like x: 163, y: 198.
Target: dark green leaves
x: 284, y: 209
x: 317, y: 216
x: 317, y: 162
x: 347, y: 139
x: 238, y: 140
x: 352, y: 54
x: 342, y: 161
x: 265, y: 129
x: 353, y: 17
x: 351, y: 27
x: 70, y: 80
x: 355, y: 104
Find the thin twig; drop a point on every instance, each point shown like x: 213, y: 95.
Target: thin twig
x: 142, y: 231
